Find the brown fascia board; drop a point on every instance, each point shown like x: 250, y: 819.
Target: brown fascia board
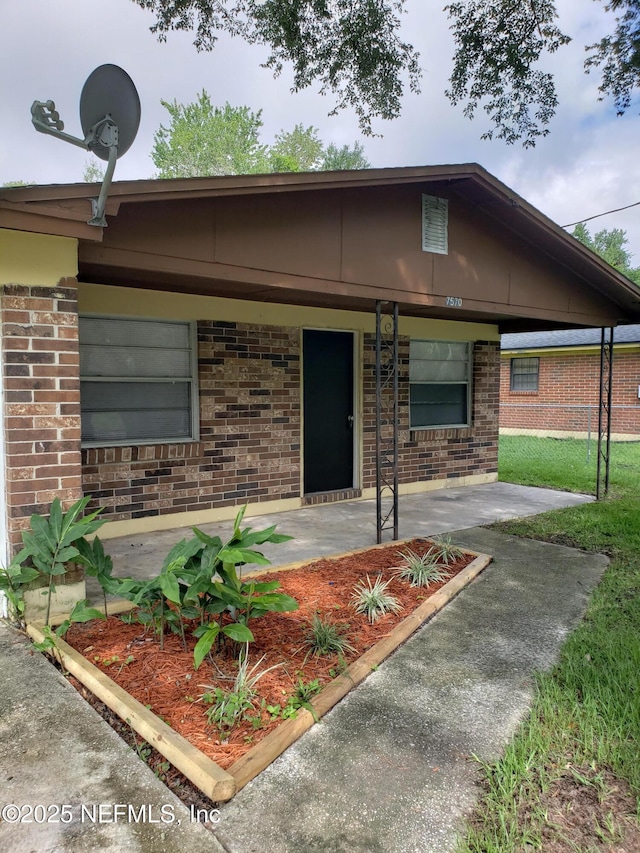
x: 60, y: 215
x: 177, y: 188
x: 493, y: 197
x: 23, y: 218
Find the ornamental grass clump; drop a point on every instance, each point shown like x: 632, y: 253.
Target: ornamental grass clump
x: 421, y: 571
x: 325, y: 637
x: 373, y: 599
x: 229, y: 707
x: 444, y: 551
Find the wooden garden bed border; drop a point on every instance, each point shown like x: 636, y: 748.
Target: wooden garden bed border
x: 221, y: 785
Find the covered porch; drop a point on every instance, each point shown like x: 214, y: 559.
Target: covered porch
x: 162, y: 365
x: 329, y: 529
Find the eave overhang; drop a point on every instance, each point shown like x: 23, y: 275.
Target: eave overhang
x: 64, y: 209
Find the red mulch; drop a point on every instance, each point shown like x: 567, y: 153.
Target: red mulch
x: 165, y: 679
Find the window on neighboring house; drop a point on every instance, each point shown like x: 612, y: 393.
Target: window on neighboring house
x: 439, y: 384
x: 138, y: 381
x: 524, y: 374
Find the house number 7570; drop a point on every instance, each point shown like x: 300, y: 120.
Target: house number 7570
x: 453, y: 302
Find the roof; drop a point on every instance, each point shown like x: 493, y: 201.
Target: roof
x: 568, y: 338
x: 63, y: 209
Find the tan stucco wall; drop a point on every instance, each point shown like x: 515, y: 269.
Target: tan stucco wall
x: 103, y: 299
x: 36, y: 259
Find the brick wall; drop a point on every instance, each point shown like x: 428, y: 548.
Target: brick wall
x: 567, y: 388
x: 42, y: 400
x: 439, y: 453
x: 249, y: 448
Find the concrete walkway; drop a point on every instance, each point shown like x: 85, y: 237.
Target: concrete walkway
x: 389, y: 769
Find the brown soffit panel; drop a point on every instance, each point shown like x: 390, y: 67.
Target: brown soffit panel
x: 101, y: 264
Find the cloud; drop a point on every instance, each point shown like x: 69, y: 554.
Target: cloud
x: 587, y: 164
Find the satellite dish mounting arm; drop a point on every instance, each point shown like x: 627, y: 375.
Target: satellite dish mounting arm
x: 46, y: 119
x: 105, y: 134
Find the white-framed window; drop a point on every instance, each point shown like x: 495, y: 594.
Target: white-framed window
x: 525, y: 374
x: 440, y: 384
x: 138, y: 380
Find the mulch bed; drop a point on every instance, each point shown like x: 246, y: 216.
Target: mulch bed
x: 165, y: 680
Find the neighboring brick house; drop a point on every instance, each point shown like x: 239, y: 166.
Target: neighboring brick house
x: 549, y: 383
x: 215, y: 345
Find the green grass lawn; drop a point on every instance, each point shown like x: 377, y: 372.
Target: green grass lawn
x: 568, y: 464
x: 584, y: 727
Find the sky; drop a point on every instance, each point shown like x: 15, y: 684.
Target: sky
x: 588, y: 163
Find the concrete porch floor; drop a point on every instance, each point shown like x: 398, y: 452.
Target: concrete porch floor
x: 328, y: 529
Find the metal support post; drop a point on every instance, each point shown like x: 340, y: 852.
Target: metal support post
x: 387, y: 418
x: 604, y: 413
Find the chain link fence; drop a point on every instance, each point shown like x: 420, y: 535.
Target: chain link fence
x: 556, y: 445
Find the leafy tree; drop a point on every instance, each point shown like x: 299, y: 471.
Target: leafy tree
x: 18, y: 184
x: 92, y: 174
x: 344, y: 158
x: 300, y: 150
x: 498, y: 44
x: 352, y: 48
x: 206, y: 140
x: 610, y: 245
x: 619, y: 54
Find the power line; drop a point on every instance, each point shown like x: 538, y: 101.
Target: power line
x: 598, y: 215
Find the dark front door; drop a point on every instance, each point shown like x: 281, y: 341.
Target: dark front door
x: 328, y: 410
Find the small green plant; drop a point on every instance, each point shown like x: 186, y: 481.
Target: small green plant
x: 373, y: 599
x: 81, y: 612
x: 201, y: 583
x: 143, y: 749
x: 13, y: 579
x: 229, y: 707
x: 325, y: 637
x: 161, y: 769
x: 445, y: 551
x: 274, y: 711
x: 305, y: 691
x: 97, y: 564
x: 50, y: 545
x: 301, y: 698
x: 113, y: 659
x: 421, y: 571
x: 341, y: 667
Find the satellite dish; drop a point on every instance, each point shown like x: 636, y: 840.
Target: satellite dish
x: 109, y: 91
x: 110, y: 117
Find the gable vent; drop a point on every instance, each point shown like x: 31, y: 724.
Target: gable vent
x: 435, y: 225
